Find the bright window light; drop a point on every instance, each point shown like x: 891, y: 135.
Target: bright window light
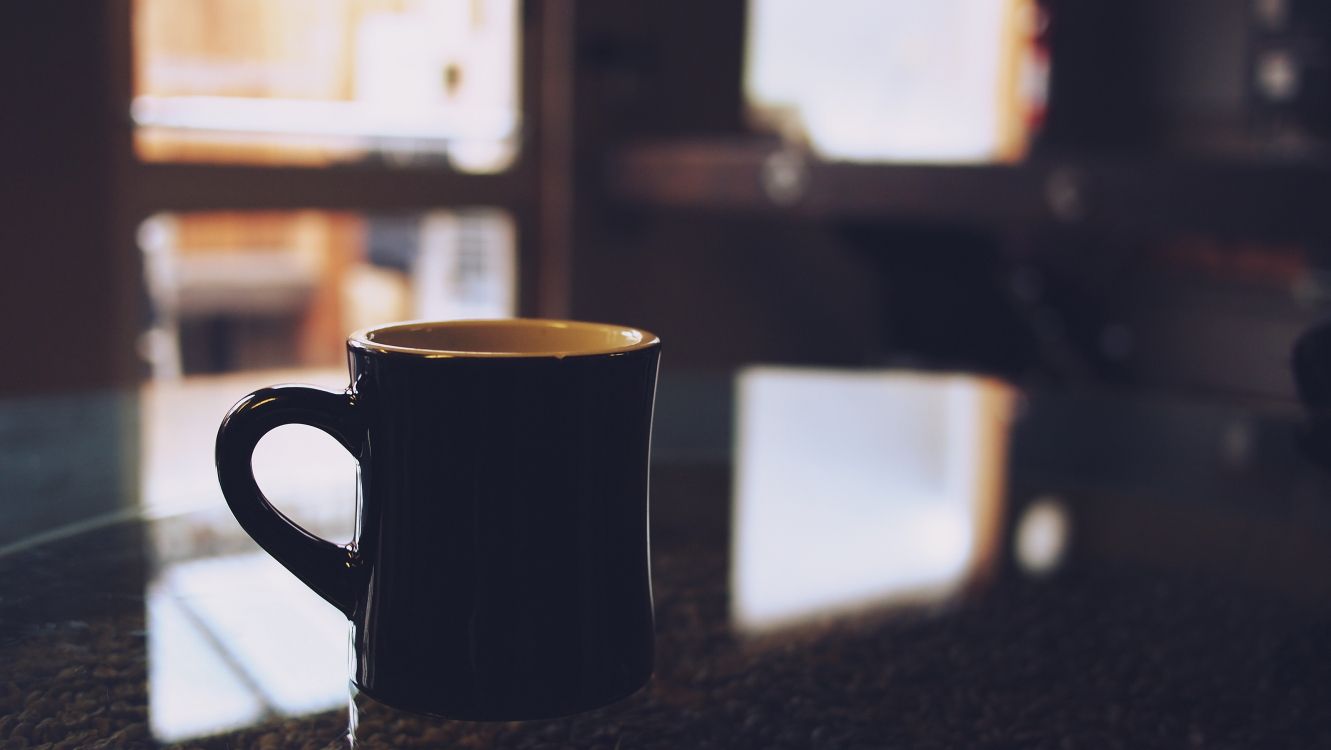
x: 320, y: 81
x: 857, y: 488
x: 237, y: 639
x: 897, y: 80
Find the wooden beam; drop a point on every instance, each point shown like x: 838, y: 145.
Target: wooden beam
x: 197, y: 187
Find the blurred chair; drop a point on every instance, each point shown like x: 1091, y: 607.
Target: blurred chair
x: 227, y: 284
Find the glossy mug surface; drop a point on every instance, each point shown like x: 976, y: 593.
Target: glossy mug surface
x: 500, y: 565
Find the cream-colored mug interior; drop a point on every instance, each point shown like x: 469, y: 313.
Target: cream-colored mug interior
x: 503, y: 338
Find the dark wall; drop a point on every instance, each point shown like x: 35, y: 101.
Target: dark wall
x: 66, y: 290
x: 720, y: 290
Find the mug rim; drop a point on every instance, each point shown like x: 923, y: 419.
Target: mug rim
x: 364, y: 338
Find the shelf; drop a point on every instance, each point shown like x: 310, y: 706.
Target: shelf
x: 359, y: 123
x: 185, y: 187
x: 1240, y: 196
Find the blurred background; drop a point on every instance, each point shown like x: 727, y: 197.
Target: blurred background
x: 985, y: 263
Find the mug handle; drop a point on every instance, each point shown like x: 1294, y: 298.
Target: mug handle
x: 333, y: 571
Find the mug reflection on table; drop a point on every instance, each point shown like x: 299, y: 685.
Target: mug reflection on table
x: 499, y: 569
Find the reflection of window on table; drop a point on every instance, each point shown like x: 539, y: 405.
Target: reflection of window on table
x: 855, y: 490
x: 235, y: 640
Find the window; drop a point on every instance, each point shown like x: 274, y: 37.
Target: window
x: 300, y: 169
x: 890, y: 80
x: 235, y: 291
x: 316, y: 82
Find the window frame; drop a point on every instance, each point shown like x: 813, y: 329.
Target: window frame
x: 534, y: 189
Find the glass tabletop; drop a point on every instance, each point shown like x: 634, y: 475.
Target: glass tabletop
x: 1174, y: 597
x: 179, y: 632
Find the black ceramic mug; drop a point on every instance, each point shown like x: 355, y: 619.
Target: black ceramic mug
x: 500, y: 565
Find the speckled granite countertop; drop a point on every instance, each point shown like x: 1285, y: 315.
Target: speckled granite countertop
x: 1110, y: 655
